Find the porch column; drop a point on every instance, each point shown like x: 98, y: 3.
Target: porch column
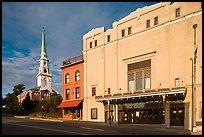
x: 109, y: 120
x: 167, y: 115
x: 166, y: 109
x: 116, y: 113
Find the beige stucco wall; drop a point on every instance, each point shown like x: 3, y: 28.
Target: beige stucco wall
x: 105, y: 66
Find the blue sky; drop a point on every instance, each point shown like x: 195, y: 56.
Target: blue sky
x: 65, y: 24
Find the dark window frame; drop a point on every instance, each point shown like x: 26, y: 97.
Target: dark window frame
x: 67, y: 94
x: 123, y: 32
x: 148, y: 24
x: 77, y: 92
x: 109, y: 90
x: 108, y: 38
x: 156, y: 20
x: 93, y: 91
x: 90, y: 45
x: 129, y: 30
x: 95, y: 43
x: 178, y: 12
x: 92, y: 115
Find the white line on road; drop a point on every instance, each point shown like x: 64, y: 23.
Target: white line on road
x: 93, y: 128
x: 50, y: 129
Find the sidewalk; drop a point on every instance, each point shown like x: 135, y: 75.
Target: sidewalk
x: 156, y: 127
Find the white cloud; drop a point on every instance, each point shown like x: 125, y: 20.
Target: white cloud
x: 65, y: 24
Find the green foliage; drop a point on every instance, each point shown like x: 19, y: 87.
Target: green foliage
x: 11, y: 100
x: 29, y: 105
x: 18, y: 89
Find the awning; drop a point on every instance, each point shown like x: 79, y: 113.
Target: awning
x: 152, y: 95
x: 73, y: 103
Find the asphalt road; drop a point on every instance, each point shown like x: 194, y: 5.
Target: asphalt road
x: 16, y: 126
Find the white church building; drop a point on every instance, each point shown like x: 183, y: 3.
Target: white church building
x: 44, y: 89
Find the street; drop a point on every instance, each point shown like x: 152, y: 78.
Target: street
x: 19, y: 126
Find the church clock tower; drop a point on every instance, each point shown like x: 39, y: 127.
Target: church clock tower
x: 43, y: 76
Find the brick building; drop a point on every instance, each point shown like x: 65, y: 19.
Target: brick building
x: 72, y: 88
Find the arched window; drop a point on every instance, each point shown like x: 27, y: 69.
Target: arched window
x: 67, y: 79
x: 45, y: 82
x: 67, y: 94
x: 77, y: 75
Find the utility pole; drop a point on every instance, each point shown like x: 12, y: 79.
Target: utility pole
x: 194, y: 82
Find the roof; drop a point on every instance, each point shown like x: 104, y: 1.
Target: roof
x: 37, y: 89
x: 72, y: 60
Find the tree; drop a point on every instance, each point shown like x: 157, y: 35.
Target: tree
x: 26, y: 102
x: 54, y: 102
x: 18, y: 89
x: 11, y: 100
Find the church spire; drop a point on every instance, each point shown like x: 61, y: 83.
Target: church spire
x: 43, y: 50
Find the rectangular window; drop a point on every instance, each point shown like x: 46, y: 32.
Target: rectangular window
x: 109, y: 90
x: 90, y: 44
x: 147, y: 77
x: 130, y: 81
x: 94, y: 113
x: 155, y: 20
x: 139, y: 75
x: 95, y: 43
x: 93, y: 91
x: 139, y: 80
x: 123, y: 33
x: 108, y: 38
x: 129, y: 31
x: 77, y: 92
x: 177, y: 12
x: 67, y: 94
x: 176, y: 82
x: 148, y: 23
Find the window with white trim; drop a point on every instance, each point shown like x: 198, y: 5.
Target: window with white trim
x: 67, y: 94
x: 139, y: 76
x: 94, y: 113
x: 67, y: 80
x: 77, y: 92
x: 77, y: 75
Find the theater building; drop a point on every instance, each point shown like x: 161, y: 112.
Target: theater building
x: 72, y: 88
x: 140, y: 72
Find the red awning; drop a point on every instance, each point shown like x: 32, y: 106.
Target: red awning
x: 73, y: 103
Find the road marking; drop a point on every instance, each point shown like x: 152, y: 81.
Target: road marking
x: 50, y: 129
x: 93, y: 128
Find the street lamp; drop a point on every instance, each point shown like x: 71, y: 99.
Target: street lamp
x: 194, y: 81
x: 42, y: 94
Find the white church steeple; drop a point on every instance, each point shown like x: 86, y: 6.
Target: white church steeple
x: 43, y: 76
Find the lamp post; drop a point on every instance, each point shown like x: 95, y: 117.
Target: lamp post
x: 194, y: 81
x: 42, y: 94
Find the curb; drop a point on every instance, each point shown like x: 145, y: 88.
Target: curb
x: 44, y: 119
x: 21, y: 116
